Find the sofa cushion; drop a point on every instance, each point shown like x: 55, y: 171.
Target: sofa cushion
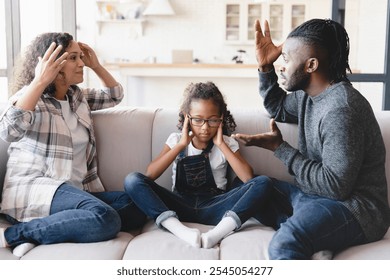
x: 105, y: 250
x: 252, y: 121
x: 379, y: 250
x: 124, y: 141
x: 384, y: 123
x: 164, y: 124
x: 157, y: 244
x: 249, y: 243
x: 6, y: 253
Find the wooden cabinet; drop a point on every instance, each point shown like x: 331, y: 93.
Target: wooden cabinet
x: 233, y: 22
x: 240, y: 17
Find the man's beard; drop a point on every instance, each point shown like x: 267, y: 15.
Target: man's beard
x: 298, y: 80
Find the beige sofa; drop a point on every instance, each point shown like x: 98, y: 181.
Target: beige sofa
x: 128, y: 139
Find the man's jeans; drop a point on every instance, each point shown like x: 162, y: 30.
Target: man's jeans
x: 307, y: 224
x: 244, y: 201
x: 78, y: 216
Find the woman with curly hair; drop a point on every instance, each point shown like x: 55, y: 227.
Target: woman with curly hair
x: 200, y: 155
x: 52, y: 192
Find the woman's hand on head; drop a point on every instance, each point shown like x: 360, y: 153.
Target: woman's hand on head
x: 49, y: 65
x: 89, y: 58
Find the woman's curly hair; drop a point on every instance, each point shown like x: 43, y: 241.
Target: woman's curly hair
x: 24, y: 72
x: 206, y: 91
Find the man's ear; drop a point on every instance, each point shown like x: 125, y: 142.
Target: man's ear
x: 312, y: 65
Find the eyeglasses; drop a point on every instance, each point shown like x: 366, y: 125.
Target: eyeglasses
x: 200, y: 122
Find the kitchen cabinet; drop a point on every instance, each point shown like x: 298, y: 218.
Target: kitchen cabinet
x: 127, y: 12
x: 240, y: 17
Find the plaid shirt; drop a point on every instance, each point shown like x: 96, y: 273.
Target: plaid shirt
x: 41, y: 153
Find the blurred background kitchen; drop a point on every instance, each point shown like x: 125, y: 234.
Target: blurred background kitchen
x: 156, y: 47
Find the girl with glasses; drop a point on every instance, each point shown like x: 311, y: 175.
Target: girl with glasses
x: 200, y: 155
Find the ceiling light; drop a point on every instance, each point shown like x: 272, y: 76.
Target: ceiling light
x: 159, y: 8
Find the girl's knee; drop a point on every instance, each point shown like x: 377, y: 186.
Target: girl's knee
x: 132, y: 180
x: 260, y: 185
x: 262, y: 181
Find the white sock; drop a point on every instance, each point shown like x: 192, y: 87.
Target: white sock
x: 323, y: 255
x: 189, y: 235
x: 223, y: 228
x: 3, y: 242
x: 22, y: 249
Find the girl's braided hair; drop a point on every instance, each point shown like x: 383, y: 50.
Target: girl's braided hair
x: 206, y: 91
x: 331, y: 37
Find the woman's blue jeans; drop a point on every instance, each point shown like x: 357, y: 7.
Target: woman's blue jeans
x: 159, y: 203
x: 78, y: 216
x: 307, y: 224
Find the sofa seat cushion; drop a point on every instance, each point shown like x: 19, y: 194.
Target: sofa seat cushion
x: 159, y: 244
x: 105, y: 250
x: 6, y: 254
x: 249, y: 243
x: 379, y: 250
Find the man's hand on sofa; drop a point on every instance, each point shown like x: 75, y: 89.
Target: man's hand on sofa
x: 268, y: 140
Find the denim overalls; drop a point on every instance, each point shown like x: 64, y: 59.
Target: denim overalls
x: 194, y: 175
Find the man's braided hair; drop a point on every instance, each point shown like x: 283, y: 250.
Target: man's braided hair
x: 331, y: 37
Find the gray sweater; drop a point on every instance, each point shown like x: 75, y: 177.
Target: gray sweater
x: 340, y: 155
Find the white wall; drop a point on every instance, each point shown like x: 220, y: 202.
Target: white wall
x: 199, y: 25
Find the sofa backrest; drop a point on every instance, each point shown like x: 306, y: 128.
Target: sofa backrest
x: 383, y: 118
x: 124, y: 143
x: 252, y: 121
x: 129, y: 138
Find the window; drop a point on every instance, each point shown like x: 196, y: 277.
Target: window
x: 367, y: 34
x: 3, y: 56
x: 31, y: 25
x: 372, y: 92
x: 20, y: 22
x: 368, y: 30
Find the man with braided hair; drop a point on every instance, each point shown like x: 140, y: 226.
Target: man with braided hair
x: 339, y: 198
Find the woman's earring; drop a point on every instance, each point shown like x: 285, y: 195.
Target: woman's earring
x: 61, y: 77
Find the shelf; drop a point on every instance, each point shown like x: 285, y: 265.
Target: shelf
x: 133, y: 21
x: 138, y: 22
x: 118, y: 1
x: 120, y: 12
